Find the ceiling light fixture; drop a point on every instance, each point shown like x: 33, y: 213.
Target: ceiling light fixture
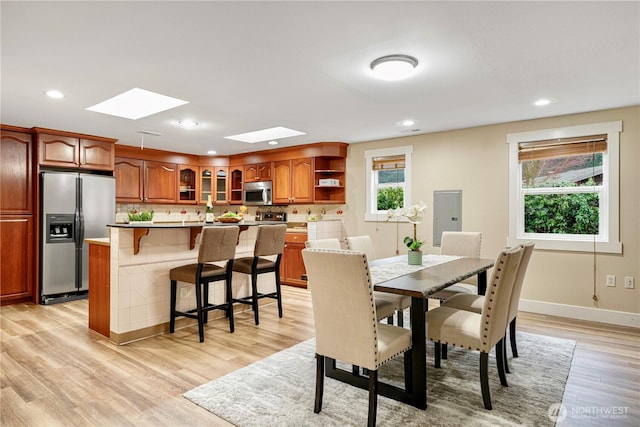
x: 544, y: 101
x: 188, y: 123
x: 394, y: 67
x: 408, y: 122
x: 55, y: 94
x: 211, y: 152
x: 273, y: 142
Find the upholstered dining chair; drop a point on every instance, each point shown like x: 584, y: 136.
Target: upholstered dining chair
x: 480, y: 331
x: 460, y: 243
x: 331, y: 243
x: 269, y: 243
x: 475, y: 303
x: 384, y: 307
x: 345, y: 320
x: 217, y: 244
x: 365, y: 245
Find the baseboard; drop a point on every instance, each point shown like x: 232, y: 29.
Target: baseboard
x: 621, y: 318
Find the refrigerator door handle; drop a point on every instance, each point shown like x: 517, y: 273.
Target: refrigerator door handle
x: 79, y: 216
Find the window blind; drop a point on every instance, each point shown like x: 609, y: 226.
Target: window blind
x: 562, y: 147
x: 388, y: 163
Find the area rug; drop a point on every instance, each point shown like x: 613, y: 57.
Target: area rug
x: 279, y: 390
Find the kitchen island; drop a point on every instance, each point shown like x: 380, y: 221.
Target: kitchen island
x: 140, y: 258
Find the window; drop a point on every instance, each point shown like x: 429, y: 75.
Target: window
x: 563, y: 188
x: 388, y: 181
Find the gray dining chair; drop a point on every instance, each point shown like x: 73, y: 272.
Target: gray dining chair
x: 217, y: 244
x: 364, y: 244
x: 480, y: 331
x: 345, y: 316
x: 269, y: 244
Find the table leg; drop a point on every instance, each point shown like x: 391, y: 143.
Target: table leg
x: 482, y: 282
x: 418, y: 385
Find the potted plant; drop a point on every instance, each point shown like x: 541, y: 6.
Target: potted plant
x: 414, y: 215
x: 141, y: 217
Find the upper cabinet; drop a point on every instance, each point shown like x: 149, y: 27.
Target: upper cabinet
x: 329, y: 180
x: 16, y: 192
x: 236, y: 185
x: 75, y: 151
x: 293, y: 181
x: 188, y: 185
x: 145, y: 181
x: 214, y: 182
x: 257, y: 172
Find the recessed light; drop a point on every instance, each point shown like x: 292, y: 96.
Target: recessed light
x: 272, y: 142
x: 55, y: 94
x: 277, y: 132
x: 408, y: 122
x: 394, y: 67
x: 136, y: 103
x: 211, y: 152
x: 544, y: 101
x: 187, y: 123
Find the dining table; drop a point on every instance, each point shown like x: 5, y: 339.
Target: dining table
x: 394, y: 275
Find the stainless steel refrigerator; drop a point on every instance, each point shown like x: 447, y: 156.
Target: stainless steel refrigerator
x: 74, y: 206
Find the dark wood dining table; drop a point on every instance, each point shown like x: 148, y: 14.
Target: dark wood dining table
x: 418, y: 285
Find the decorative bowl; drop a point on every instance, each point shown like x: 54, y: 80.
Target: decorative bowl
x: 228, y: 219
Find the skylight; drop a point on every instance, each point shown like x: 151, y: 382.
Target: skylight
x: 277, y: 132
x: 136, y: 103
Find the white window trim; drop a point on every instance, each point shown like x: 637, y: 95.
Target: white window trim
x: 371, y: 213
x: 608, y: 242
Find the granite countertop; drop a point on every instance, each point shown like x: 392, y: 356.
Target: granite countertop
x: 187, y: 224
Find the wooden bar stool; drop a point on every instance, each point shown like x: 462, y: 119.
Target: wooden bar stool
x: 217, y: 244
x: 269, y: 242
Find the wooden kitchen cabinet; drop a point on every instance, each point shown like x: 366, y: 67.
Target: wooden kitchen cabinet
x: 292, y: 266
x: 188, y: 185
x: 236, y: 185
x: 214, y: 182
x: 16, y: 263
x: 70, y: 151
x: 293, y: 181
x: 143, y: 181
x: 16, y: 173
x: 329, y: 168
x: 257, y: 172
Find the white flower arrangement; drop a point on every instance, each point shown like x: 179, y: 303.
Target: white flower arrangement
x: 414, y: 215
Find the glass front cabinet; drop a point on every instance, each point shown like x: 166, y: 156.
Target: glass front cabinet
x: 214, y: 182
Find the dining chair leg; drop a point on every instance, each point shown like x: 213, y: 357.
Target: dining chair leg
x: 373, y: 398
x: 504, y: 353
x: 279, y: 292
x: 500, y: 362
x: 355, y: 370
x: 400, y: 314
x: 444, y: 351
x: 254, y: 297
x: 205, y: 302
x: 199, y: 311
x: 484, y: 379
x: 229, y: 302
x: 438, y: 353
x: 172, y: 317
x: 512, y: 337
x: 319, y: 383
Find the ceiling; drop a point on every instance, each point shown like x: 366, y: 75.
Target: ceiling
x: 245, y: 66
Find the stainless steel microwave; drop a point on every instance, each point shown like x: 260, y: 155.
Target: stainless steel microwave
x: 257, y: 193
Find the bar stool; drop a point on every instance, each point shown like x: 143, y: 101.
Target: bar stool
x: 217, y: 244
x: 269, y: 242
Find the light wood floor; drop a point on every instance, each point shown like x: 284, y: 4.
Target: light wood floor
x: 56, y: 372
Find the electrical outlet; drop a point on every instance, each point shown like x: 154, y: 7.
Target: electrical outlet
x: 611, y: 280
x: 628, y: 282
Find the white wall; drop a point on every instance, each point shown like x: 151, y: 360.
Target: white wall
x: 475, y: 160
